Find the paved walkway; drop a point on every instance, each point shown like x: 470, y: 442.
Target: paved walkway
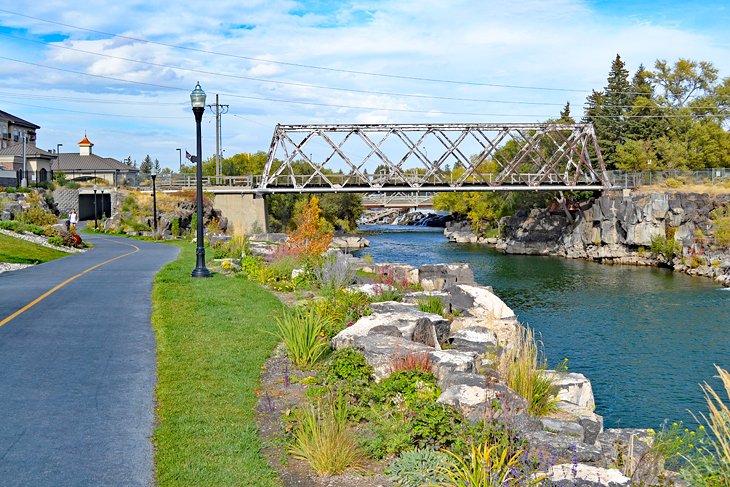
x: 77, y: 369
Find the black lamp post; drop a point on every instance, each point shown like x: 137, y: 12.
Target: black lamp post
x: 197, y: 100
x: 153, y: 173
x: 96, y: 227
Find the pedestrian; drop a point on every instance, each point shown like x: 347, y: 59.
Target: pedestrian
x: 73, y: 219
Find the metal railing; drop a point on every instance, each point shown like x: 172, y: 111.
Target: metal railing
x: 629, y: 180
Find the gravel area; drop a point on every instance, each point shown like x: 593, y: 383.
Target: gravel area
x: 7, y: 266
x: 37, y: 239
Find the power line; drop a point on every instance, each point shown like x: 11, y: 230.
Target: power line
x: 87, y: 113
x: 319, y: 104
x: 298, y: 65
x: 285, y: 83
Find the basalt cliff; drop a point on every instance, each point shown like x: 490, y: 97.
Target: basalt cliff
x: 671, y: 229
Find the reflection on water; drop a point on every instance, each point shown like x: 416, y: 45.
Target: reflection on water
x: 646, y: 337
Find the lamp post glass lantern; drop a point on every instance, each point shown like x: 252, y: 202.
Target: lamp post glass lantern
x: 197, y: 100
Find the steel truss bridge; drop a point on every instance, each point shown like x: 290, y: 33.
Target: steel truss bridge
x: 387, y: 158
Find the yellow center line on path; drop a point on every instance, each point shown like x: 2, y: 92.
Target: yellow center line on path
x: 56, y: 288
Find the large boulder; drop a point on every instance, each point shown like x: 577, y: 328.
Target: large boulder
x: 573, y: 387
x: 403, y: 316
x: 479, y: 301
x: 579, y: 475
x: 566, y: 448
x: 380, y: 351
x: 474, y: 339
x: 349, y: 242
x: 591, y: 422
x: 438, y: 276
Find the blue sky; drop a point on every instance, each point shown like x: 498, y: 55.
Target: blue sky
x: 511, y: 62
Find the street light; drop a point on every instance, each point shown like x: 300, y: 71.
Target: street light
x: 153, y: 173
x: 96, y: 227
x: 197, y: 100
x: 179, y: 156
x: 102, y: 205
x: 58, y: 160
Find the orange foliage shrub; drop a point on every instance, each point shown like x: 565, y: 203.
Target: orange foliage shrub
x: 313, y: 234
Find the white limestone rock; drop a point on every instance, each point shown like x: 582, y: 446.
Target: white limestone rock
x: 474, y: 339
x: 381, y: 350
x: 387, y: 314
x: 444, y: 362
x: 569, y: 475
x: 573, y: 387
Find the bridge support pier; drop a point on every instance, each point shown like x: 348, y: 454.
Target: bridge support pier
x: 246, y: 213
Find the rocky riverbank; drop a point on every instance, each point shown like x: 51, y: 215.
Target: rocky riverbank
x: 462, y: 356
x: 668, y: 229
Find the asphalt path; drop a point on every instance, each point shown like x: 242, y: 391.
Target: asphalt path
x: 78, y: 368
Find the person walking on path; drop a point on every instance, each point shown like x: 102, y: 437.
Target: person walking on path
x: 73, y: 219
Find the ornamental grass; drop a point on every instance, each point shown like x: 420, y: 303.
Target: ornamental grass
x: 302, y: 333
x: 322, y: 439
x: 523, y: 368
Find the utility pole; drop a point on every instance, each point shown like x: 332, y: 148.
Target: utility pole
x: 219, y: 110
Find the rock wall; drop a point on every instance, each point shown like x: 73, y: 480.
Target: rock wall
x: 619, y: 227
x: 463, y: 353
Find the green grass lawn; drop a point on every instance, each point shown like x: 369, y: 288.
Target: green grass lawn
x: 212, y: 339
x: 20, y: 251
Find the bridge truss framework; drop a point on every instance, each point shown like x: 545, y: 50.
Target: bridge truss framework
x: 413, y: 158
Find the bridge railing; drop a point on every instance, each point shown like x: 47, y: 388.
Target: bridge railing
x: 633, y: 179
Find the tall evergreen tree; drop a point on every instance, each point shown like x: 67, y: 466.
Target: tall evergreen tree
x: 146, y: 166
x: 565, y: 114
x: 607, y: 110
x: 157, y: 166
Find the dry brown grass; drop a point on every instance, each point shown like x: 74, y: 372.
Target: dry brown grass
x: 719, y: 188
x: 411, y: 361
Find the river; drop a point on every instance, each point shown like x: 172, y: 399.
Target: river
x: 645, y: 337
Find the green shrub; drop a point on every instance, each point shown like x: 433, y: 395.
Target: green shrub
x: 431, y: 304
x: 673, y: 183
x: 301, y: 332
x: 347, y: 364
x: 389, y: 435
x: 721, y: 223
x: 406, y: 386
x: 57, y: 241
x: 175, y: 227
x: 72, y: 185
x: 343, y: 308
x: 437, y: 425
x: 666, y: 246
x: 416, y: 468
x: 322, y: 439
x: 37, y: 216
x: 696, y: 261
x: 234, y: 248
x: 19, y: 227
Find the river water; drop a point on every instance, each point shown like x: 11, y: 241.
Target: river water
x: 645, y: 337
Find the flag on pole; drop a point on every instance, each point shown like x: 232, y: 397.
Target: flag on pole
x: 189, y: 156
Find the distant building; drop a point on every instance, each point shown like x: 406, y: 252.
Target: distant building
x: 12, y: 129
x: 85, y: 165
x: 37, y: 161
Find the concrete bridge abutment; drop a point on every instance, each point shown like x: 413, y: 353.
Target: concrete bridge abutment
x: 246, y: 213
